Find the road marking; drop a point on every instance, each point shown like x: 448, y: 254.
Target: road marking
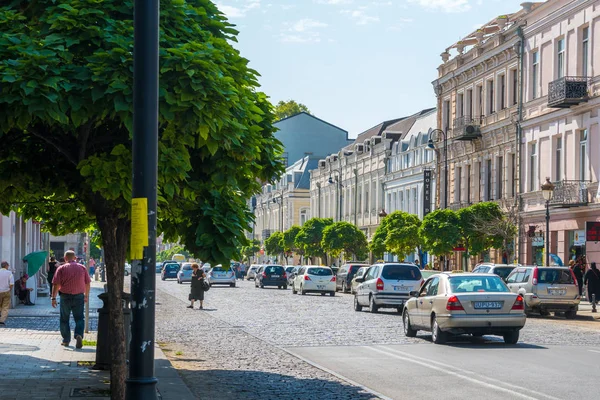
x: 427, y: 360
x: 595, y: 351
x: 457, y: 375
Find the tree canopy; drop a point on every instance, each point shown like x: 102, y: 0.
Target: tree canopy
x: 440, y: 231
x: 310, y: 237
x: 248, y: 251
x: 274, y: 243
x: 285, y: 109
x: 474, y: 217
x: 346, y: 237
x: 402, y: 233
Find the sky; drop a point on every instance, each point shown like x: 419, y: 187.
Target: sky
x: 354, y: 63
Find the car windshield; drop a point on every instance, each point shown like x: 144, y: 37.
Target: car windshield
x: 289, y: 269
x: 503, y: 272
x: 187, y: 267
x: 274, y: 270
x: 171, y: 267
x: 470, y: 284
x: 353, y: 269
x: 401, y: 273
x: 555, y: 275
x: 319, y: 271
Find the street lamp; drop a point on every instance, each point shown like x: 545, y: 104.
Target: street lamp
x: 548, y: 193
x: 431, y: 145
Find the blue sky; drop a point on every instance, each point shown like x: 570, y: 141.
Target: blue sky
x: 354, y: 63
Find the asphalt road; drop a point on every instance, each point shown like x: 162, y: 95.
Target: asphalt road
x: 554, y: 359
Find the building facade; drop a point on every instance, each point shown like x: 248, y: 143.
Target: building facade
x: 561, y: 136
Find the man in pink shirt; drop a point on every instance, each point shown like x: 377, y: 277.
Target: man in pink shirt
x: 72, y: 281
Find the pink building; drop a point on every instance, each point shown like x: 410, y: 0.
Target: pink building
x: 561, y: 137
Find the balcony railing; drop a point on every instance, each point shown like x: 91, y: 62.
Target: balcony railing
x: 570, y: 193
x: 568, y: 91
x: 467, y: 127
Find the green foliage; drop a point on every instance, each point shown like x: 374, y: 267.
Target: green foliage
x: 95, y: 245
x: 251, y: 249
x: 167, y: 255
x: 274, y: 243
x: 66, y: 121
x: 310, y: 237
x: 440, y: 231
x: 289, y: 240
x: 344, y: 236
x: 285, y: 109
x: 402, y: 233
x: 475, y: 217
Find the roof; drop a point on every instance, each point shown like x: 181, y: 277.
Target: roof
x: 312, y: 116
x: 377, y: 130
x: 303, y: 166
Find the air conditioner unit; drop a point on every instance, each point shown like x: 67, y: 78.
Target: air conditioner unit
x: 469, y: 132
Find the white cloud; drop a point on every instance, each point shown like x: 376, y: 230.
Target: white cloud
x: 360, y: 16
x: 303, y: 31
x: 333, y: 2
x: 239, y: 11
x: 307, y: 24
x: 444, y: 5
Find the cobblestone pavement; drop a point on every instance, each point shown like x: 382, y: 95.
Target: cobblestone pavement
x: 42, y: 323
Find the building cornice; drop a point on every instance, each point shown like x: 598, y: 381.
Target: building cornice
x: 557, y: 15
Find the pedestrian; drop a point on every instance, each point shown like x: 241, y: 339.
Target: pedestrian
x: 7, y: 281
x: 578, y: 272
x: 197, y: 286
x: 23, y: 292
x: 72, y: 281
x: 92, y: 265
x: 52, y: 266
x: 592, y: 280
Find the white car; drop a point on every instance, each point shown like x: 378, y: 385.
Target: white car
x: 221, y: 276
x: 314, y: 279
x: 127, y: 269
x: 251, y: 274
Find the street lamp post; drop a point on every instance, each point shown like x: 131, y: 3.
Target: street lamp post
x: 548, y: 193
x: 431, y: 145
x: 339, y: 186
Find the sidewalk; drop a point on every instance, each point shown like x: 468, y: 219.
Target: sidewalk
x: 36, y: 366
x: 585, y: 311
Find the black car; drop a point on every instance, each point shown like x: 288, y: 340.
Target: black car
x: 344, y: 276
x: 271, y: 275
x: 169, y: 270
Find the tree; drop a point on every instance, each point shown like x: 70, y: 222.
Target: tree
x: 472, y: 219
x: 344, y: 236
x: 440, y: 232
x: 289, y: 242
x: 403, y: 233
x: 274, y: 243
x: 251, y: 249
x: 500, y: 225
x: 310, y: 237
x: 66, y: 125
x: 285, y: 109
x: 167, y: 255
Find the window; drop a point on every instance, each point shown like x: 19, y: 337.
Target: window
x: 488, y: 167
x: 535, y: 66
x: 479, y: 100
x: 585, y: 44
x: 500, y: 178
x: 374, y: 194
x: 558, y: 158
x: 469, y: 102
x: 513, y: 164
x: 415, y: 199
x: 401, y: 194
x: 490, y: 99
x: 366, y: 197
x: 458, y: 184
x: 502, y: 92
x: 560, y: 58
x: 460, y: 105
x: 446, y: 110
x: 303, y: 217
x: 583, y: 155
x: 533, y: 181
x: 515, y: 86
x: 468, y: 184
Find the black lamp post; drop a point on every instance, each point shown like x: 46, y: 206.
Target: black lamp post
x: 431, y: 145
x: 548, y: 193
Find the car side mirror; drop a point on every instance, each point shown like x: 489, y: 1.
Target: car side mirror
x: 414, y: 294
x: 522, y: 291
x: 359, y: 280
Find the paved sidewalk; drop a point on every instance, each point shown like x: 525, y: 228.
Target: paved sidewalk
x: 35, y: 365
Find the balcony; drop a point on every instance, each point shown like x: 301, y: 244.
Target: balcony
x: 570, y: 194
x: 568, y: 91
x: 467, y: 128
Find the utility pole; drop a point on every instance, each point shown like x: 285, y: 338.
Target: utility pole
x: 141, y: 384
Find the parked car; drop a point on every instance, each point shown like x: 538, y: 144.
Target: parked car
x: 185, y: 273
x: 127, y: 269
x: 387, y: 285
x: 159, y: 267
x: 362, y: 271
x: 206, y: 267
x: 546, y: 289
x: 468, y: 303
x: 502, y: 270
x: 314, y: 279
x: 251, y: 274
x: 218, y: 275
x: 291, y: 272
x: 345, y: 275
x: 170, y: 270
x: 271, y: 275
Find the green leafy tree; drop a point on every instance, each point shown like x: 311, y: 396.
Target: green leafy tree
x: 95, y: 245
x: 289, y: 242
x: 285, y: 109
x: 310, y: 237
x: 274, y: 243
x: 251, y: 249
x: 344, y: 237
x: 166, y: 255
x: 66, y: 126
x: 440, y: 232
x: 377, y: 245
x: 403, y: 233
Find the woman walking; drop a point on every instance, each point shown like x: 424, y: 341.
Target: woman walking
x: 197, y: 287
x: 592, y: 280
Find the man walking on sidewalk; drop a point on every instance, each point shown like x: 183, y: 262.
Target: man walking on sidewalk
x: 7, y: 281
x: 72, y: 281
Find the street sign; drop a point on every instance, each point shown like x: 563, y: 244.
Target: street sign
x: 592, y: 231
x: 579, y: 238
x: 426, y: 192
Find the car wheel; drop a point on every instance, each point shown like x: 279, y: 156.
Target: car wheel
x: 302, y: 292
x: 437, y: 335
x: 408, y: 329
x: 357, y: 306
x: 511, y: 337
x: 294, y: 291
x: 322, y: 294
x: 372, y: 306
x: 571, y: 314
x: 544, y: 313
x: 232, y: 284
x: 332, y: 294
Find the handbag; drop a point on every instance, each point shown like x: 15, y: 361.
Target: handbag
x: 205, y: 286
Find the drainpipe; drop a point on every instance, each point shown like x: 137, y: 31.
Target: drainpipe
x: 519, y: 185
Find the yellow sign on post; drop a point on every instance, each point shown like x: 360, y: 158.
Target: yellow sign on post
x: 139, y: 227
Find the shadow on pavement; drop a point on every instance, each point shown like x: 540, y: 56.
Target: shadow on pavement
x: 43, y: 323
x: 486, y: 341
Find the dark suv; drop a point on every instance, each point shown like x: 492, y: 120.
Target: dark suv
x: 169, y: 270
x: 344, y: 276
x: 271, y: 275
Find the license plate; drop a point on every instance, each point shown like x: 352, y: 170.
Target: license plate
x: 401, y: 288
x: 487, y: 304
x: 557, y: 292
x: 320, y: 286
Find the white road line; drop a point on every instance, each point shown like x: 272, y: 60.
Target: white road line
x: 457, y: 375
x: 595, y: 351
x: 480, y: 376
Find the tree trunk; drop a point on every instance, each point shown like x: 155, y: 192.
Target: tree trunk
x: 115, y: 239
